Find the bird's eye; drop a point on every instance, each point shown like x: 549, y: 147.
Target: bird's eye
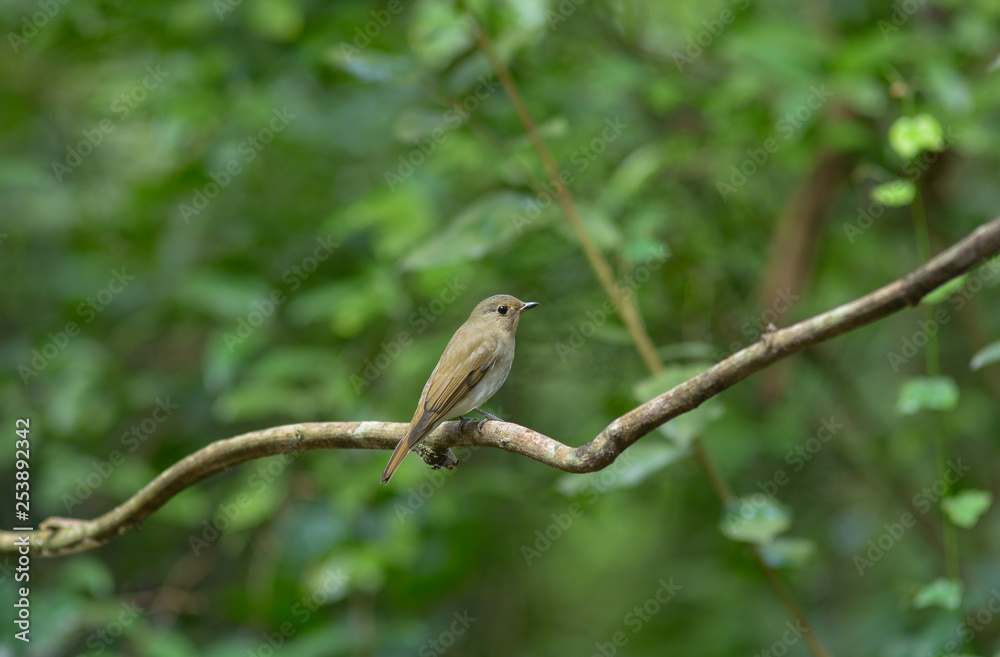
x: 502, y: 310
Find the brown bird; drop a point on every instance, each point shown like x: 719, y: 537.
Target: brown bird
x: 472, y: 368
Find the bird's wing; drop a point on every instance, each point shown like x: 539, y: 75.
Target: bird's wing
x: 457, y: 373
x: 463, y: 364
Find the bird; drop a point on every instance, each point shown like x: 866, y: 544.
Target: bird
x: 472, y: 368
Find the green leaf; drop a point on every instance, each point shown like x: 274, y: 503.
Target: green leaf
x: 687, y: 351
x: 220, y: 295
x: 188, y: 508
x: 487, y: 224
x: 251, y: 506
x: 942, y: 293
x: 438, y: 33
x: 412, y: 125
x: 965, y: 508
x: 640, y: 251
x: 89, y: 575
x: 910, y: 135
x: 788, y: 552
x: 369, y: 65
x: 288, y: 363
x: 396, y: 217
x: 931, y: 393
x: 169, y: 644
x: 985, y: 356
x: 895, y: 193
x: 350, y: 306
x: 630, y: 176
x: 222, y: 357
x: 755, y: 519
x: 277, y: 20
x: 599, y: 226
x: 331, y: 577
x: 944, y: 593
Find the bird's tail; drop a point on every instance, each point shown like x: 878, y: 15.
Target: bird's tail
x: 421, y: 425
x: 402, y: 449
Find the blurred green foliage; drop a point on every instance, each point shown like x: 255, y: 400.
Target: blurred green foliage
x: 223, y: 216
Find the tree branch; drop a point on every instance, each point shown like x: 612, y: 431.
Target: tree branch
x: 59, y: 536
x: 628, y: 308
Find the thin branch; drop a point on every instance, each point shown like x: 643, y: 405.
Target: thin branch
x: 794, y: 246
x: 60, y: 536
x: 628, y: 308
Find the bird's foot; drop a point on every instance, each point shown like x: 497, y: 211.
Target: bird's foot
x: 487, y: 418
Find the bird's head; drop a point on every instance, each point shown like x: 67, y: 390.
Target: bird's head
x: 502, y: 310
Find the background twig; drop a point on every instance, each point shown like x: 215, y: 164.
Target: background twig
x: 629, y: 311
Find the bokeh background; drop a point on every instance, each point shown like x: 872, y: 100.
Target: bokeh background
x: 223, y: 216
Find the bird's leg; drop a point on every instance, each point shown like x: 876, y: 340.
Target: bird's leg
x: 489, y: 416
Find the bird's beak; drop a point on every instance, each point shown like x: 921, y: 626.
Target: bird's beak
x: 529, y: 304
